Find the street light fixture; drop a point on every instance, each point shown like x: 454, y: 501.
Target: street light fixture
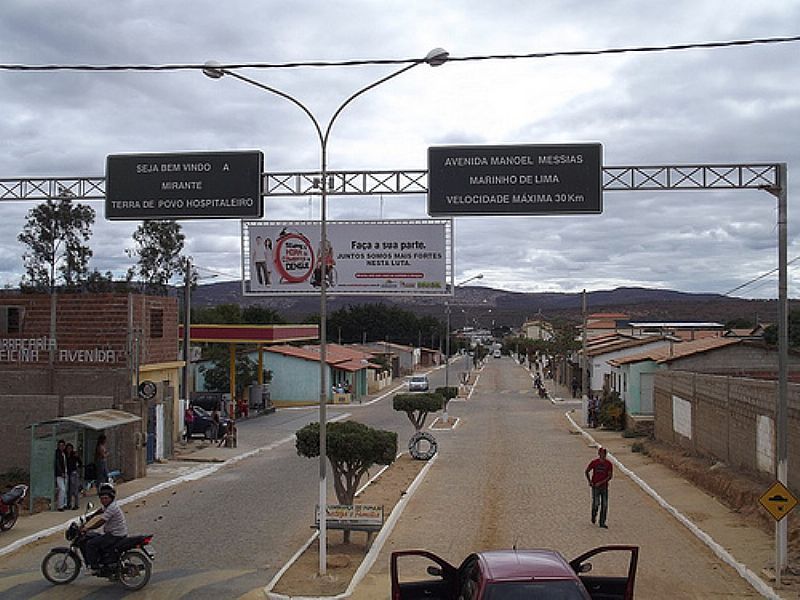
x: 447, y: 342
x: 214, y: 70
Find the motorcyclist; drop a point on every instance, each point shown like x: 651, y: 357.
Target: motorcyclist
x: 111, y: 518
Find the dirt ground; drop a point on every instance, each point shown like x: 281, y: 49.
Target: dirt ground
x: 737, y: 491
x: 302, y: 578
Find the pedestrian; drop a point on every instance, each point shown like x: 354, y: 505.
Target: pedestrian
x: 188, y: 422
x: 575, y: 387
x: 74, y: 464
x: 60, y: 468
x: 215, y: 424
x: 601, y: 471
x: 594, y: 410
x: 101, y: 461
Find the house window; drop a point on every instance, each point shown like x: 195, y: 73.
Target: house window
x: 156, y: 323
x: 11, y: 319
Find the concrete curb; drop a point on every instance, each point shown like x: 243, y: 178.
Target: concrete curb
x: 754, y: 580
x: 372, y: 554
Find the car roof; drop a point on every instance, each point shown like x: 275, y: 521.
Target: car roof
x: 505, y: 565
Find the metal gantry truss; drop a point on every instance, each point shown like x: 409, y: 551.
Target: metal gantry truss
x: 368, y: 183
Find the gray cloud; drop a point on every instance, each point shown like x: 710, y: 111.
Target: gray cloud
x: 737, y: 105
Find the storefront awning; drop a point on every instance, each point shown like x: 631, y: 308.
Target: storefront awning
x: 101, y: 419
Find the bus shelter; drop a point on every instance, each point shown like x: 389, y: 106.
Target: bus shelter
x: 82, y: 431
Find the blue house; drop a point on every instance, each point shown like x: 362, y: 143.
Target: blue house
x: 296, y: 373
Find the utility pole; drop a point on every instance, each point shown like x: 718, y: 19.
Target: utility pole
x: 187, y: 323
x: 585, y: 379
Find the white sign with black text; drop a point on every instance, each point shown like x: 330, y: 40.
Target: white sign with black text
x: 363, y: 257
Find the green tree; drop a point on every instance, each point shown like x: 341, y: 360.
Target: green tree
x: 100, y: 283
x: 771, y: 332
x: 56, y: 233
x: 217, y: 377
x: 158, y: 250
x: 418, y: 406
x: 352, y: 449
x: 380, y: 322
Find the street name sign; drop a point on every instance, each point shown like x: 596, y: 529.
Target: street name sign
x: 199, y: 185
x: 515, y: 180
x: 778, y: 501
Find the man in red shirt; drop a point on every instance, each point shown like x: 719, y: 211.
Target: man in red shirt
x: 601, y: 471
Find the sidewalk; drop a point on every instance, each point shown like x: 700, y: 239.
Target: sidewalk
x: 194, y: 460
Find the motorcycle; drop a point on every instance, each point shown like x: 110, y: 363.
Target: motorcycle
x: 130, y: 561
x: 9, y: 506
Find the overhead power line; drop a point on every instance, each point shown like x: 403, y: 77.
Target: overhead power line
x: 363, y: 62
x: 759, y: 278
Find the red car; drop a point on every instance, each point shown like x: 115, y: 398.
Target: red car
x: 515, y: 575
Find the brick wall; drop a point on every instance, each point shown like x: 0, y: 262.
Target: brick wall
x: 19, y: 411
x: 725, y: 412
x: 92, y: 329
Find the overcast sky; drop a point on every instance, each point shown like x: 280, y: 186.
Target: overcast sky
x: 733, y: 105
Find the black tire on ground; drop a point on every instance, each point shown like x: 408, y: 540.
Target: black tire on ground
x: 60, y: 567
x: 134, y: 569
x: 422, y: 446
x: 8, y: 520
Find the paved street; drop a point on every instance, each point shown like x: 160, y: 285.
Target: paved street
x: 511, y: 473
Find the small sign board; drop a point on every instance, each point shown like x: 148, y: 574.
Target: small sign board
x: 778, y: 501
x: 352, y: 514
x: 200, y: 185
x: 515, y: 180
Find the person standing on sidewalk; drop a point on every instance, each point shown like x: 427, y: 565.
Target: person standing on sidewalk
x: 60, y: 468
x: 598, y: 473
x: 73, y: 477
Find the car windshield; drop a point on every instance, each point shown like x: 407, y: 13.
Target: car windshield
x: 201, y: 411
x: 563, y: 589
x: 419, y: 379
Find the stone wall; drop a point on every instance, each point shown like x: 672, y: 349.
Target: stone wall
x: 724, y: 415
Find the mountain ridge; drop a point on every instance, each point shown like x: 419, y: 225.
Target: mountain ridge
x: 484, y: 304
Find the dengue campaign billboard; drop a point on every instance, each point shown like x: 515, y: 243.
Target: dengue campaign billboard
x: 365, y: 257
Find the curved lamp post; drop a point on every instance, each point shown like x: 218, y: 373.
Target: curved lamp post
x: 447, y: 342
x: 214, y: 70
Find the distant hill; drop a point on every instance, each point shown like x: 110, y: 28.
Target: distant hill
x: 485, y: 304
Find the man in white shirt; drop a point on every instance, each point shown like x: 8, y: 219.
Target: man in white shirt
x: 112, y: 519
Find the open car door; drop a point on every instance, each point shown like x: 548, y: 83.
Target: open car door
x: 418, y: 574
x: 618, y: 586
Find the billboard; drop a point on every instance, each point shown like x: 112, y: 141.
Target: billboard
x: 199, y: 185
x: 365, y: 257
x: 515, y: 180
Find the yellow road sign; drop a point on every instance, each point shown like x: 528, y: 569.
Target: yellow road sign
x: 778, y: 500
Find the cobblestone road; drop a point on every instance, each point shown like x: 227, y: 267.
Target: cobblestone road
x: 512, y: 473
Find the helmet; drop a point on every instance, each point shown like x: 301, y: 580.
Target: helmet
x: 107, y: 489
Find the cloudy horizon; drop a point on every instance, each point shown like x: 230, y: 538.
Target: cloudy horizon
x: 737, y: 105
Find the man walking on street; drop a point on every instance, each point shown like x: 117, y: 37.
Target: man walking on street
x: 601, y: 471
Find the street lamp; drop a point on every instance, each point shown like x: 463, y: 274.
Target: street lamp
x: 214, y: 70
x: 447, y: 343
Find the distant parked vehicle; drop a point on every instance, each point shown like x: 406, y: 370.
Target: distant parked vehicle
x: 418, y: 383
x: 202, y: 424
